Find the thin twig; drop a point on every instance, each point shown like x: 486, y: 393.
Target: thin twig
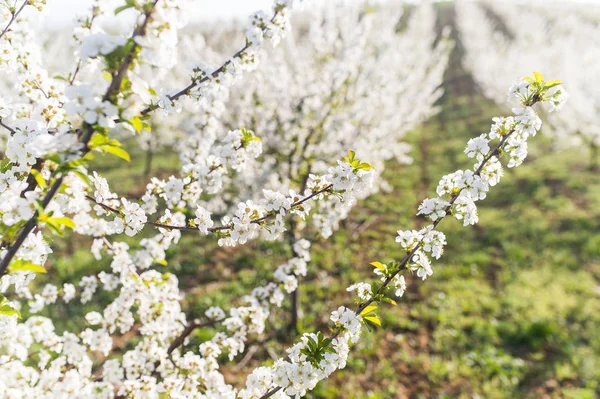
x: 214, y: 74
x: 13, y: 18
x: 187, y: 331
x: 10, y: 129
x: 212, y: 229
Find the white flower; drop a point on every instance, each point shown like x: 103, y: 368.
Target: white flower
x: 478, y: 147
x: 557, y: 97
x: 434, y: 242
x: 68, y: 292
x: 474, y: 185
x: 465, y: 209
x: 516, y: 147
x: 433, y: 208
x: 166, y: 104
x: 450, y: 184
x: 94, y: 318
x: 133, y: 216
x: 408, y: 239
x: 492, y: 171
x: 363, y: 290
x: 100, y: 43
x: 399, y: 284
x: 520, y: 93
x: 103, y: 113
x: 421, y: 264
x: 203, y: 220
x: 5, y: 110
x: 215, y: 313
x: 528, y: 121
x: 501, y: 127
x: 89, y: 284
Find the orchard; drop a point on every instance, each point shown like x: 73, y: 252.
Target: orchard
x: 249, y: 210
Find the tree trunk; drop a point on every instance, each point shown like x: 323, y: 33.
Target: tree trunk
x: 148, y: 164
x: 593, y: 157
x: 292, y: 236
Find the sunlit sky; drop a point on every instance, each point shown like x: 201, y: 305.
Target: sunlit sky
x: 61, y: 12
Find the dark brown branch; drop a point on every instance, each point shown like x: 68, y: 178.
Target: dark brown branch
x: 10, y: 129
x: 177, y: 342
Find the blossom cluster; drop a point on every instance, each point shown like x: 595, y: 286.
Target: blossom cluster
x: 326, y: 91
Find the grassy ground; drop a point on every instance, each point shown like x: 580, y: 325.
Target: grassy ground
x: 513, y: 307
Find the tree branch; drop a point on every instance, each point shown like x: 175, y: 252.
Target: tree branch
x: 13, y: 18
x: 195, y: 83
x: 217, y: 228
x: 10, y: 129
x: 88, y: 132
x: 187, y: 331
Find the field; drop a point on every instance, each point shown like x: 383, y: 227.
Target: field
x: 512, y: 310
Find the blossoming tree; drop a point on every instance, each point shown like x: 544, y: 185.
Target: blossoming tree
x: 347, y: 79
x: 56, y: 125
x: 563, y: 36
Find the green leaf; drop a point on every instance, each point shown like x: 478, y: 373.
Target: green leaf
x: 552, y: 83
x: 39, y: 178
x: 8, y: 311
x: 539, y: 78
x: 351, y: 156
x: 128, y: 4
x: 373, y: 319
x: 25, y: 265
x: 97, y: 140
x: 152, y: 91
x: 368, y: 310
x: 54, y: 158
x: 378, y: 265
x: 65, y: 221
x: 85, y: 178
x: 54, y: 225
x: 5, y: 165
x: 364, y: 166
x: 117, y: 151
x: 137, y: 124
x: 389, y: 300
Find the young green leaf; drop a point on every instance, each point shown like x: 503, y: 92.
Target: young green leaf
x: 368, y: 310
x: 39, y: 178
x: 378, y: 265
x: 65, y: 221
x: 373, y: 319
x: 137, y: 124
x: 117, y: 151
x: 8, y: 311
x: 25, y: 265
